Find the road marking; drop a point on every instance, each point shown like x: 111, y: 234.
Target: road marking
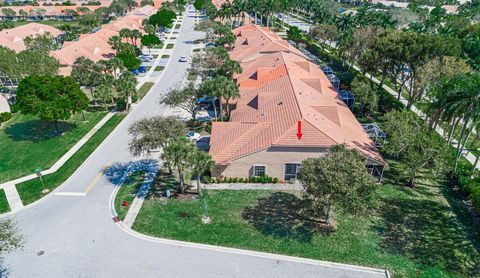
x: 79, y: 194
x: 96, y: 178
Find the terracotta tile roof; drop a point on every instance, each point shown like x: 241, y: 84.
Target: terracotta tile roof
x: 51, y: 10
x: 276, y: 91
x: 95, y: 46
x: 13, y: 38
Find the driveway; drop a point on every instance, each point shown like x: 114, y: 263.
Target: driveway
x: 71, y: 233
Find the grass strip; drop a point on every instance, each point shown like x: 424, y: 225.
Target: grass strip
x: 28, y: 143
x: 31, y: 190
x: 144, y: 89
x: 4, y: 207
x: 127, y: 193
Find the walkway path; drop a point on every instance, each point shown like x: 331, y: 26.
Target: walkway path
x: 13, y: 198
x: 152, y: 169
x: 253, y: 186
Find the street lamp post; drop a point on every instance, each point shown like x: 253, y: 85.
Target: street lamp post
x: 38, y: 172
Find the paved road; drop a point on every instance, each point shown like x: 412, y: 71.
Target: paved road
x: 79, y: 238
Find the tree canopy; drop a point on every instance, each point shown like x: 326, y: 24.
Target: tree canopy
x: 337, y: 181
x: 51, y: 98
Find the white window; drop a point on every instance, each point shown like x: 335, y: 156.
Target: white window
x: 259, y: 170
x: 292, y: 170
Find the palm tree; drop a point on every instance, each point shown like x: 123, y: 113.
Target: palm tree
x: 229, y: 68
x: 464, y: 103
x: 115, y: 43
x: 200, y: 162
x: 177, y: 155
x: 135, y: 36
x: 104, y: 94
x: 221, y: 87
x: 125, y: 84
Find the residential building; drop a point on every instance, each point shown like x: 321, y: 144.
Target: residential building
x: 14, y: 38
x: 95, y: 46
x: 281, y: 91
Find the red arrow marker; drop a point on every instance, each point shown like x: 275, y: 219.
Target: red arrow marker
x: 299, y: 131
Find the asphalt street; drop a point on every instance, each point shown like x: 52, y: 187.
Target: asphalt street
x: 73, y: 235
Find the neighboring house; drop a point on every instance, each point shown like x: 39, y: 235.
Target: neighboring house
x: 44, y: 12
x: 95, y: 46
x: 14, y: 38
x: 281, y: 88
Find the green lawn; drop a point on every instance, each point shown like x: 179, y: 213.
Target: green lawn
x: 144, y: 89
x: 27, y: 143
x: 420, y: 232
x: 4, y: 207
x: 165, y: 56
x: 127, y: 192
x: 170, y: 46
x: 31, y: 190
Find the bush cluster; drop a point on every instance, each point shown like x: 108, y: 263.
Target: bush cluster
x: 5, y: 116
x: 260, y: 179
x: 469, y: 184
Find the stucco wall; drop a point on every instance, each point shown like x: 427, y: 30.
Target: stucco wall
x: 274, y: 159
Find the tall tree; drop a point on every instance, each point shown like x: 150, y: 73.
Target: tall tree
x: 51, y: 98
x: 87, y: 74
x: 126, y: 85
x: 154, y: 133
x: 413, y: 143
x: 177, y: 155
x: 337, y: 181
x: 222, y: 88
x: 185, y: 98
x: 43, y: 43
x: 200, y: 162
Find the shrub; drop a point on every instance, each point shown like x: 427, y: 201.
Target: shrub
x: 469, y: 184
x: 5, y: 116
x: 121, y: 104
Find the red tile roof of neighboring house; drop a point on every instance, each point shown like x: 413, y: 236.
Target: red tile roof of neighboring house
x: 50, y: 10
x: 95, y: 46
x: 13, y: 38
x: 278, y: 89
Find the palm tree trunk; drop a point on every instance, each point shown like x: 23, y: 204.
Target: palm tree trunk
x: 475, y: 139
x: 228, y: 108
x: 93, y: 96
x: 182, y: 185
x: 328, y: 214
x: 57, y: 129
x: 450, y: 135
x: 215, y: 109
x: 199, y: 188
x: 459, y: 144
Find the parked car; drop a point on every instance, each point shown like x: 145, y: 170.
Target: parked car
x: 210, y: 45
x: 135, y: 72
x: 183, y: 59
x: 204, y: 119
x: 205, y: 100
x: 193, y: 136
x: 142, y: 69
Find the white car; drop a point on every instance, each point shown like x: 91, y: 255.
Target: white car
x: 193, y: 136
x: 183, y: 59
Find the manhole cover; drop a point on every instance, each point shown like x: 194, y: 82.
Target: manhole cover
x: 41, y: 252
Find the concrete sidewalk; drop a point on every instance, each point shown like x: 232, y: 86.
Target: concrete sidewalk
x: 13, y: 198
